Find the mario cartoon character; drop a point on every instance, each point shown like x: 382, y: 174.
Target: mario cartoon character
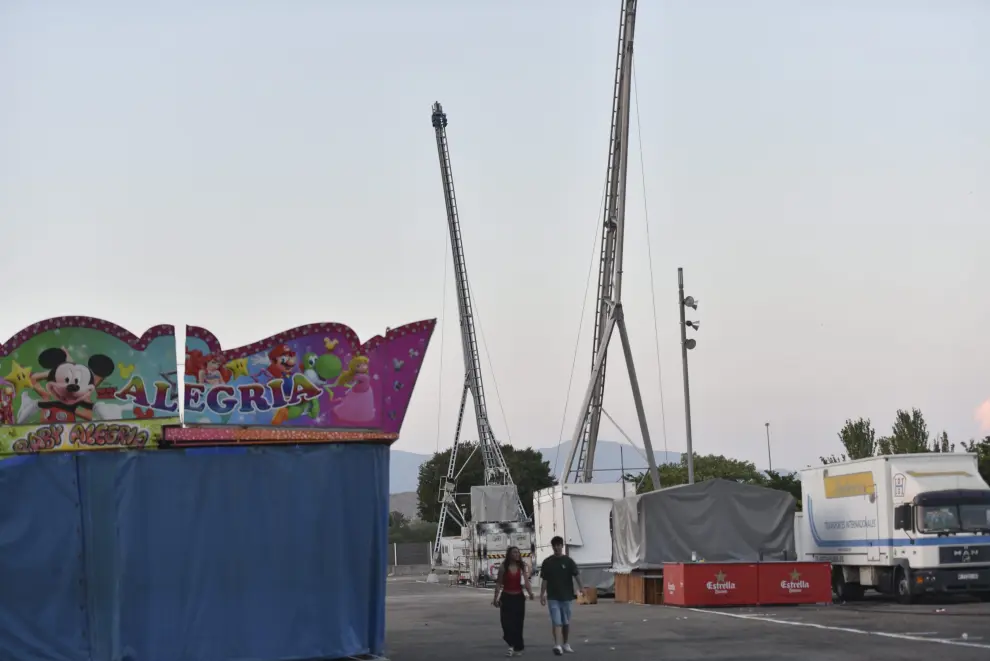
x: 281, y: 361
x: 67, y: 389
x: 320, y: 371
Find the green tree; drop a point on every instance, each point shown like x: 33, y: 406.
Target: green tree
x: 397, y: 520
x: 706, y: 467
x: 858, y: 438
x: 789, y: 483
x: 709, y: 467
x: 908, y: 435
x: 982, y: 451
x: 941, y: 443
x: 528, y: 469
x: 412, y: 531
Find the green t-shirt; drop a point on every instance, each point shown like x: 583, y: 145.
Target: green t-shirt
x: 559, y: 572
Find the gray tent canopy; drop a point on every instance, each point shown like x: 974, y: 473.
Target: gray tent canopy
x: 719, y: 520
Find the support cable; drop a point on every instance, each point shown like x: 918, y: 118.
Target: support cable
x: 491, y: 368
x: 443, y: 314
x: 577, y: 341
x: 649, y: 249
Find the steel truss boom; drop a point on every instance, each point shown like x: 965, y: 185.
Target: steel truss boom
x: 609, y: 314
x: 496, y: 470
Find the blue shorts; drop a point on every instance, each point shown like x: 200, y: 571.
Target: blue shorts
x: 560, y: 612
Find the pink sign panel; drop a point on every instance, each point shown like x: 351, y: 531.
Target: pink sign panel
x: 318, y: 376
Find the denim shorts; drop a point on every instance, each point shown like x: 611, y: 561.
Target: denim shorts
x: 560, y: 612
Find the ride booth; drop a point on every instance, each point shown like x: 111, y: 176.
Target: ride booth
x: 255, y: 527
x: 712, y: 543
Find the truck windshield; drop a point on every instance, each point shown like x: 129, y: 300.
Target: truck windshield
x: 975, y: 518
x: 954, y: 518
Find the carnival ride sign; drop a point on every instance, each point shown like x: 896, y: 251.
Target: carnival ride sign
x: 75, y: 383
x: 318, y: 377
x: 79, y: 383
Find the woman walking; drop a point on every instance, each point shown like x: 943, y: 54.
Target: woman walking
x: 512, y: 582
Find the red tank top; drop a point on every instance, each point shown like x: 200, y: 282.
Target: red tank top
x: 512, y: 583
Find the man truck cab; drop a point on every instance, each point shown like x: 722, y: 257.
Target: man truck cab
x: 907, y: 525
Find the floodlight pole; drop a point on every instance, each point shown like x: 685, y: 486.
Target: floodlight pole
x: 687, y: 386
x: 769, y: 454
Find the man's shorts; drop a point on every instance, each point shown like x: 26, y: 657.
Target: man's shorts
x: 560, y: 612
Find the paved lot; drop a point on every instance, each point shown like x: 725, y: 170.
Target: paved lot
x: 446, y: 623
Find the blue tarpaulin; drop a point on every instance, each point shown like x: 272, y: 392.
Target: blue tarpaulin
x: 269, y: 553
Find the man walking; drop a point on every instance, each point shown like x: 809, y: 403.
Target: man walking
x: 558, y: 573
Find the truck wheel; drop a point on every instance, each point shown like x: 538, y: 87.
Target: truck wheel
x: 852, y: 591
x: 903, y: 584
x: 843, y: 591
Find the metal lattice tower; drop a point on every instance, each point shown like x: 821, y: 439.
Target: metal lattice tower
x: 496, y: 470
x: 609, y: 316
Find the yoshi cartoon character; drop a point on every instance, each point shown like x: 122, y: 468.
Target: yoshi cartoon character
x: 321, y: 370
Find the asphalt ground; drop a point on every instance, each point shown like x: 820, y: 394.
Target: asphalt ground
x: 443, y: 623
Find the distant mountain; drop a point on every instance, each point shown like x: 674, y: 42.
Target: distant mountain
x: 610, y: 459
x: 403, y: 470
x: 406, y: 502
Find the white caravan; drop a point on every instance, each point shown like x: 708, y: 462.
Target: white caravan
x: 455, y: 552
x: 909, y: 524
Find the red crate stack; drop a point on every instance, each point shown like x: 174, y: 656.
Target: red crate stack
x: 795, y: 583
x: 711, y: 584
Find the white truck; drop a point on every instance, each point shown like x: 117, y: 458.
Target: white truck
x: 908, y: 525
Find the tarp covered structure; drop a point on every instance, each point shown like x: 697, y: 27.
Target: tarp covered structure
x: 201, y: 555
x: 496, y: 502
x: 718, y: 520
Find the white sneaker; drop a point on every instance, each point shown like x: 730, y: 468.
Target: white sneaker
x: 558, y: 650
x: 568, y: 649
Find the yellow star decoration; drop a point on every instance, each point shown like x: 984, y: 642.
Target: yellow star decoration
x: 238, y: 367
x: 720, y: 577
x: 19, y: 376
x: 795, y: 576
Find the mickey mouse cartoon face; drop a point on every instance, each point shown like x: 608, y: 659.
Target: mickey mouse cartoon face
x: 70, y: 383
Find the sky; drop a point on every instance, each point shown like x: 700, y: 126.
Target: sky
x: 819, y: 170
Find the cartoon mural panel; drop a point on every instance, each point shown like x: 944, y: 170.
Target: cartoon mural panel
x: 318, y: 376
x: 77, y: 383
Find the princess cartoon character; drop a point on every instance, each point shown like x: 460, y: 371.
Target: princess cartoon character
x: 357, y: 406
x: 208, y: 370
x: 6, y: 403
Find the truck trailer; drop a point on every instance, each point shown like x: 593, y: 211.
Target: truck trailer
x: 906, y: 525
x: 581, y: 514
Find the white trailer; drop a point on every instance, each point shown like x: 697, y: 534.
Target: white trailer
x: 455, y: 552
x: 581, y: 514
x: 908, y: 525
x: 802, y: 537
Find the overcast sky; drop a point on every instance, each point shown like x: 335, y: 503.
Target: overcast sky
x: 819, y: 169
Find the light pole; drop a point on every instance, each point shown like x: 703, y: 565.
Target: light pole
x: 686, y: 345
x: 769, y: 456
